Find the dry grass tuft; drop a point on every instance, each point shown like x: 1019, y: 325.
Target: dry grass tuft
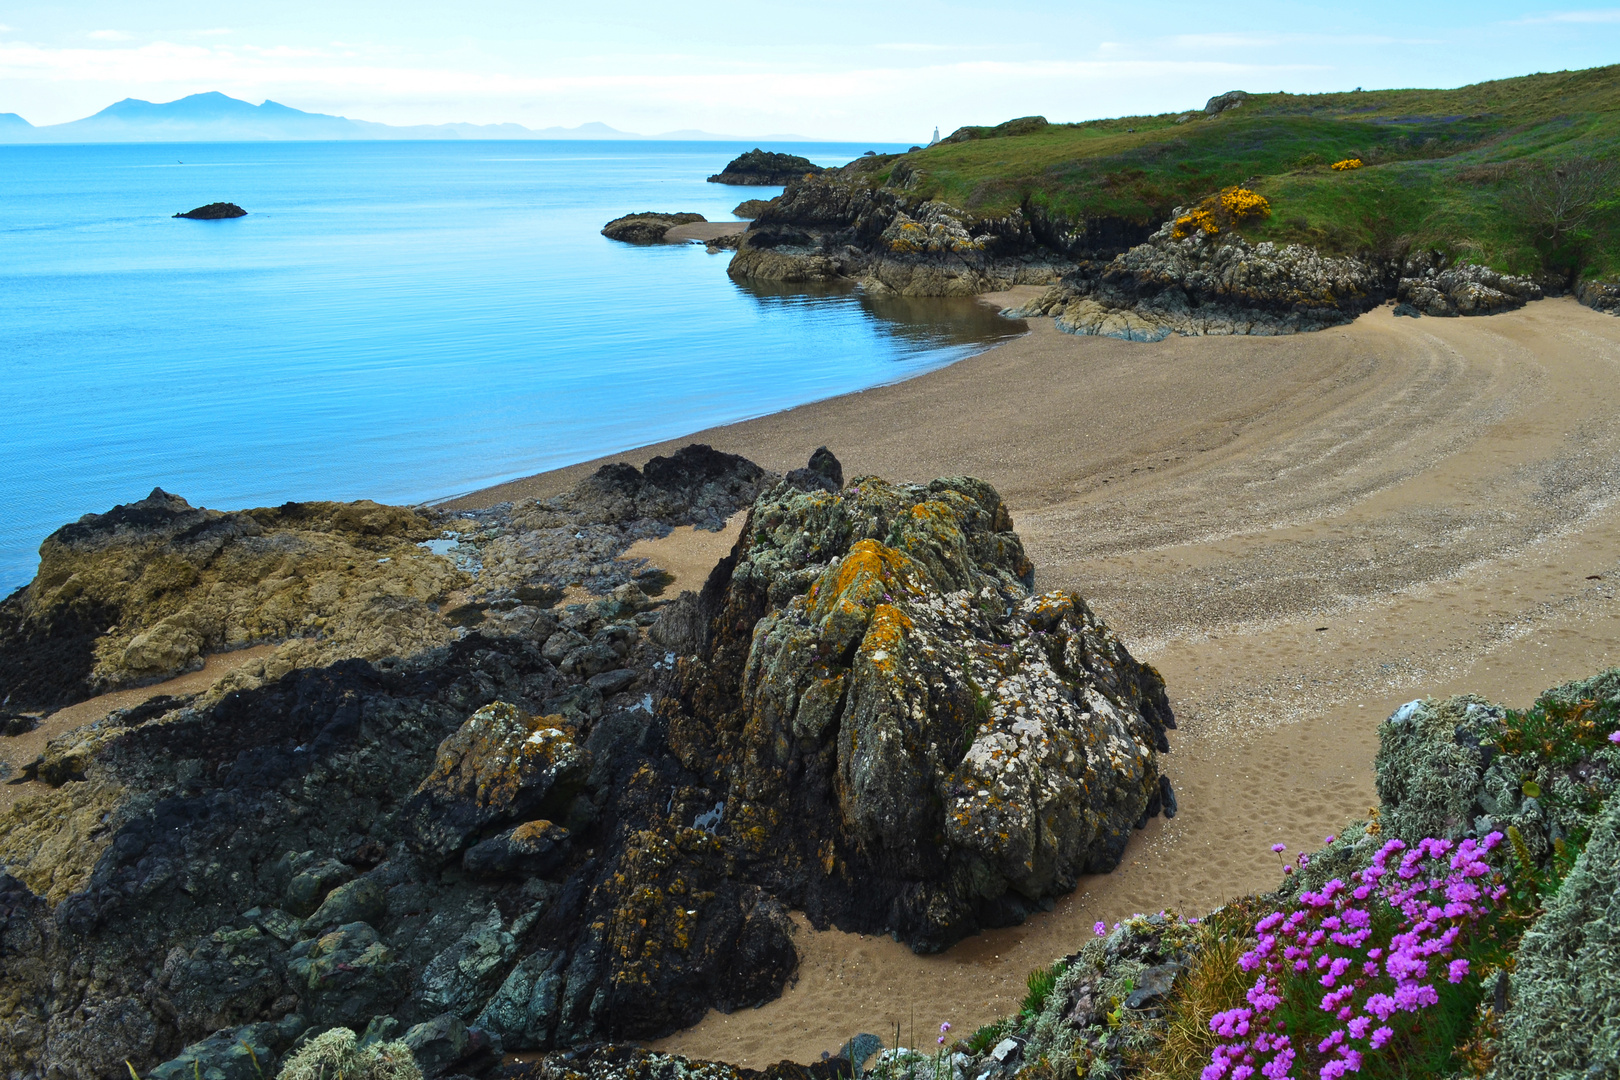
x: 1215, y: 983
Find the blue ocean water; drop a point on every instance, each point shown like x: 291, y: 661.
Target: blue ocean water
x: 396, y: 321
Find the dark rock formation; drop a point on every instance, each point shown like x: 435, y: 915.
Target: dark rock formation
x: 1224, y: 285
x: 762, y: 168
x: 554, y: 827
x: 905, y: 737
x: 750, y: 208
x: 842, y: 226
x: 1431, y: 285
x: 647, y: 227
x: 1599, y: 295
x: 214, y: 211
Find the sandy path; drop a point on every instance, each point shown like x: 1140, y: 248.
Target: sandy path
x: 17, y: 752
x: 1301, y: 533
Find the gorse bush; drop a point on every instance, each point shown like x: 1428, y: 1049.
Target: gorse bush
x: 1381, y: 977
x: 1231, y: 206
x: 1347, y: 164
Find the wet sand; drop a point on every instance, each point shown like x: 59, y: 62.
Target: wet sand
x: 1301, y: 533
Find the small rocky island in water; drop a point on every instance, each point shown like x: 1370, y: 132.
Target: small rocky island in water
x: 762, y: 168
x: 214, y: 211
x: 647, y: 227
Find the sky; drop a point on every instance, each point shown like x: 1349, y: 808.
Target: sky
x: 828, y: 69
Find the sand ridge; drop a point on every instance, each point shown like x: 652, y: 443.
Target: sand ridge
x: 1299, y: 532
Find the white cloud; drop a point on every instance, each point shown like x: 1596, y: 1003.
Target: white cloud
x: 108, y: 35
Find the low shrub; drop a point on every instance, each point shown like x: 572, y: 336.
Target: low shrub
x: 1346, y: 165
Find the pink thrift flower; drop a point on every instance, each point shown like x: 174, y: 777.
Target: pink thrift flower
x: 1614, y: 737
x: 1381, y: 1036
x: 1099, y: 928
x: 1279, y: 848
x: 1458, y: 971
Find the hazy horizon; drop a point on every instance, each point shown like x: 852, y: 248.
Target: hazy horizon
x: 886, y: 72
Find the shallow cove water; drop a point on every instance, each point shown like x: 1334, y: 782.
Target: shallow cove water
x: 395, y: 321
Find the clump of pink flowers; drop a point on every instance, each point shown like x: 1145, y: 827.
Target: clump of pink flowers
x: 1372, y: 956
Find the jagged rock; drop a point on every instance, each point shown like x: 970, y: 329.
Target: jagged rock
x: 361, y: 900
x: 1599, y: 295
x: 233, y: 977
x: 647, y: 227
x: 214, y: 212
x: 843, y: 226
x: 347, y: 976
x: 750, y: 208
x: 908, y: 716
x: 310, y: 878
x: 463, y: 977
x: 502, y: 764
x: 1465, y: 290
x: 824, y: 473
x: 445, y: 1044
x: 762, y: 168
x: 249, y: 1052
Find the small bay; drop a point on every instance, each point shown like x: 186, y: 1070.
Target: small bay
x: 395, y: 321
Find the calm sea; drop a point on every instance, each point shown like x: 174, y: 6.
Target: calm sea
x: 395, y: 321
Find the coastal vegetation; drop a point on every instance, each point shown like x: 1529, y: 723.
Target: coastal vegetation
x: 1510, y: 173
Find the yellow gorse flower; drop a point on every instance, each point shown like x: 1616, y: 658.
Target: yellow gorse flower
x: 1347, y: 164
x: 1231, y: 206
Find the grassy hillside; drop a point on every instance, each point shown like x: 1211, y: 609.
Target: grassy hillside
x: 1442, y: 168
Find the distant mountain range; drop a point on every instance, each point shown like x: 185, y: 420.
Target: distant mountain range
x: 214, y: 117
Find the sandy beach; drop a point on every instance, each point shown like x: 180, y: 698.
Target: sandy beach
x: 1299, y: 532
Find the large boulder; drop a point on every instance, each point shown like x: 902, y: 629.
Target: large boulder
x: 888, y: 703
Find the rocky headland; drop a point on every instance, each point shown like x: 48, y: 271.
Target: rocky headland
x: 647, y: 227
x: 1109, y: 277
x: 764, y: 168
x: 214, y: 212
x: 452, y: 809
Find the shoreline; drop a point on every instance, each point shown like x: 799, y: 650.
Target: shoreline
x: 1300, y: 532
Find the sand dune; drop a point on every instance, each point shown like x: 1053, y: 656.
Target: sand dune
x: 1300, y: 532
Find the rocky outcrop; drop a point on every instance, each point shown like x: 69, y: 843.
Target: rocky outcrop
x: 214, y: 212
x: 750, y: 208
x: 1232, y: 99
x: 143, y: 591
x: 1221, y: 284
x: 1431, y: 285
x: 838, y: 227
x: 1599, y: 295
x: 647, y: 227
x: 763, y: 168
x: 885, y: 702
x: 1211, y: 285
x: 559, y: 825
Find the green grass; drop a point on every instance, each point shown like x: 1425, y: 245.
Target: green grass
x: 1440, y: 167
